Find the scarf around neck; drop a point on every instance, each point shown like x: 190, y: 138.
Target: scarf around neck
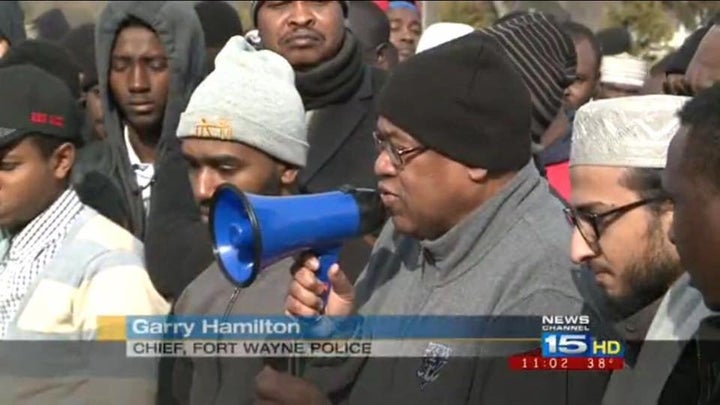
x: 335, y: 80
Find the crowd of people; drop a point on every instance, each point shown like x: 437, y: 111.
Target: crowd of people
x: 525, y: 169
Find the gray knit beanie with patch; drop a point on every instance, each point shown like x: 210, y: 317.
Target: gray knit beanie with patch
x: 249, y: 98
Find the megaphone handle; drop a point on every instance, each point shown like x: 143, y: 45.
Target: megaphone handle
x: 327, y: 258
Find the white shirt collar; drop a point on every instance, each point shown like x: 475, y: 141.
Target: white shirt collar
x: 144, y: 172
x: 134, y: 158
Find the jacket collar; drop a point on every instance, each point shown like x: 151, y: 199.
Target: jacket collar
x: 366, y: 88
x: 483, y: 228
x: 331, y: 126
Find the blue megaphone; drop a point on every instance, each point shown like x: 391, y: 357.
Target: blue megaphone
x: 251, y: 232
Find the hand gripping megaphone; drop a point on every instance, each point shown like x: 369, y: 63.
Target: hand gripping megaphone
x: 251, y: 232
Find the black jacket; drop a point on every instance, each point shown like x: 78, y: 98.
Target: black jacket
x: 707, y: 358
x: 342, y: 151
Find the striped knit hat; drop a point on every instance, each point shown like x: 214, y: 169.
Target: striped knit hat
x: 545, y: 57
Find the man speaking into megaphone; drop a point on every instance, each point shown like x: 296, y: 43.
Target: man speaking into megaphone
x: 475, y: 230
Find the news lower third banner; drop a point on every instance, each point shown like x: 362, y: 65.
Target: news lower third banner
x: 356, y: 336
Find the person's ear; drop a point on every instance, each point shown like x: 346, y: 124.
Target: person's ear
x: 4, y: 47
x: 666, y: 218
x: 288, y: 176
x: 477, y: 175
x: 387, y: 55
x: 63, y: 159
x: 596, y: 88
x: 381, y: 54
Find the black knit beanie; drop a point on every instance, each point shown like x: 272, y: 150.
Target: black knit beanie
x: 545, y: 57
x: 48, y: 56
x: 80, y: 42
x: 465, y: 100
x: 52, y: 25
x: 255, y: 7
x: 219, y: 21
x: 615, y: 41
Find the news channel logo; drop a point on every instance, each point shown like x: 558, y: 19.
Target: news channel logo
x: 569, y: 336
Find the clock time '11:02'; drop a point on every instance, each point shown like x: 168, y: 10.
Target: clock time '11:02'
x: 566, y: 363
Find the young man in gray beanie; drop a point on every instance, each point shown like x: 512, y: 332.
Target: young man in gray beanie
x: 244, y: 125
x: 474, y: 231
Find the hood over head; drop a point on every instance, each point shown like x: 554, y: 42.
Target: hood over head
x: 12, y: 22
x: 80, y: 42
x: 52, y: 25
x: 180, y: 32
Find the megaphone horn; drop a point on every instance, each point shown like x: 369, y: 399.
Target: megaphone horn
x: 251, y: 232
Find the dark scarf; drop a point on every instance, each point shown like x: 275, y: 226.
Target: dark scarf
x: 335, y: 80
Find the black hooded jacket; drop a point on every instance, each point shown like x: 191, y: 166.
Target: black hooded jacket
x: 179, y: 30
x: 12, y: 22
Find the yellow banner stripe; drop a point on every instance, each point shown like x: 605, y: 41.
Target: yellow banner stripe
x: 112, y: 328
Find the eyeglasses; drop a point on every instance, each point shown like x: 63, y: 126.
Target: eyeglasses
x: 397, y: 156
x: 591, y: 225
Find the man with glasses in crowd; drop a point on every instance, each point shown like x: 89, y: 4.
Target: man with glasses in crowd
x: 622, y: 216
x: 474, y: 230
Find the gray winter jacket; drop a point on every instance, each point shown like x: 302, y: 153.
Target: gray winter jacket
x: 229, y: 380
x: 509, y: 257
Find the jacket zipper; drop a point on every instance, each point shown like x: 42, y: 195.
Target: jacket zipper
x: 218, y: 363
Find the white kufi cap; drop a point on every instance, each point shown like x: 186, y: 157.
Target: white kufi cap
x: 623, y: 69
x: 626, y: 131
x: 440, y: 33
